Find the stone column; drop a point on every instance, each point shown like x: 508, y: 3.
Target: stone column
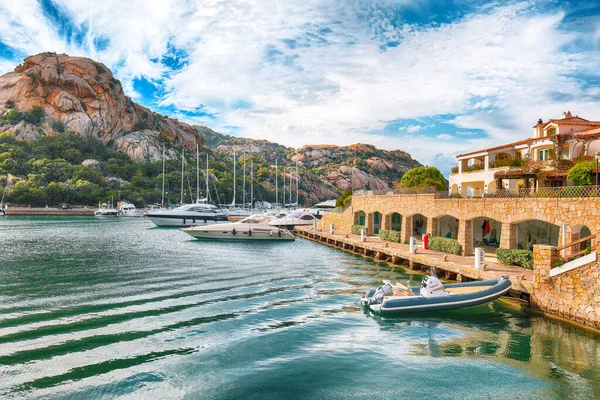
x: 465, y: 236
x: 406, y: 230
x: 542, y: 264
x: 386, y: 224
x: 369, y: 224
x: 432, y: 226
x: 508, y: 236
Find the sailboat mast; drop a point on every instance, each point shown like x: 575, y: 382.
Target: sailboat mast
x: 233, y: 177
x: 276, y: 172
x: 206, y: 175
x: 290, y: 189
x: 197, y: 174
x: 251, y: 184
x: 163, y: 180
x: 283, y: 189
x: 297, y: 185
x: 244, y: 194
x: 182, y: 166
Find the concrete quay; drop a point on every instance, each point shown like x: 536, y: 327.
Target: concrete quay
x: 449, y: 266
x: 49, y: 212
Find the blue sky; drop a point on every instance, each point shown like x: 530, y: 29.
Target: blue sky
x: 434, y: 78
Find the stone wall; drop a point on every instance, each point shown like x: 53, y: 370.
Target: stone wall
x: 573, y: 295
x: 573, y: 212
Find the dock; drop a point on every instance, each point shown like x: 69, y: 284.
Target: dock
x: 49, y: 212
x: 448, y: 266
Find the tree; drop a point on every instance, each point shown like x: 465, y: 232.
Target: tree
x: 423, y: 177
x: 582, y: 173
x: 344, y: 199
x: 35, y: 115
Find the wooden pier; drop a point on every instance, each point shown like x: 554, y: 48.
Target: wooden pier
x: 448, y: 266
x: 50, y: 212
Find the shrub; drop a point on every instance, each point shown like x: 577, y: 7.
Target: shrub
x: 13, y: 117
x: 581, y: 174
x: 521, y: 258
x: 35, y: 115
x: 9, y: 104
x: 390, y: 236
x: 587, y: 251
x: 357, y: 228
x: 558, y: 263
x: 445, y: 245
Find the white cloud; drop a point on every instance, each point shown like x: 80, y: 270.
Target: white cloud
x: 315, y: 72
x: 410, y: 128
x: 444, y: 136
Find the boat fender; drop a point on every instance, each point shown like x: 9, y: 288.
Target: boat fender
x: 279, y: 233
x: 270, y: 233
x: 249, y: 232
x: 233, y: 232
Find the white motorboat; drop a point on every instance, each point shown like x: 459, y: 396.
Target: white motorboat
x: 126, y: 209
x: 106, y: 210
x: 255, y: 227
x: 293, y: 219
x: 236, y: 214
x: 188, y: 215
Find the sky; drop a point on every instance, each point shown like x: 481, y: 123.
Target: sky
x: 434, y: 78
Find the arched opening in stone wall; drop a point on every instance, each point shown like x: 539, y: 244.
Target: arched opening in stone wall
x: 395, y: 222
x: 580, y: 232
x: 419, y: 225
x: 360, y: 218
x: 486, y: 233
x: 447, y: 226
x: 377, y: 219
x: 534, y: 231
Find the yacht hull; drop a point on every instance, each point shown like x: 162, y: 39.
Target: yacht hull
x: 178, y: 221
x: 136, y: 213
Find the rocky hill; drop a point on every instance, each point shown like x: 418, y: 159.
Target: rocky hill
x: 54, y: 93
x: 82, y: 95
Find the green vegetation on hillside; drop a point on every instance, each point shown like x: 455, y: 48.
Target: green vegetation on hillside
x: 49, y: 171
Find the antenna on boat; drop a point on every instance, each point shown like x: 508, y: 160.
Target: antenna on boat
x: 182, y: 166
x: 163, y: 180
x: 233, y: 203
x: 197, y: 173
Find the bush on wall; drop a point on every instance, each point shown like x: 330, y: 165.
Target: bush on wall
x: 390, y: 236
x: 445, y: 245
x: 520, y: 258
x: 357, y: 228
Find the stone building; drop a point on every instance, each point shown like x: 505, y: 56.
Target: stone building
x: 568, y: 139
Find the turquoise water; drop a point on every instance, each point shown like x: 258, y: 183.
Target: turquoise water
x: 111, y: 308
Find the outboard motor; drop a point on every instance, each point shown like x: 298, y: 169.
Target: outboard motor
x: 376, y: 297
x: 432, y: 287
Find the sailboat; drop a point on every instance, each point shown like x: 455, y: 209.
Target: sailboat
x: 189, y: 214
x: 233, y: 212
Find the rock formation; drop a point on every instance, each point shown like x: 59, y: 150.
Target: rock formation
x: 82, y: 95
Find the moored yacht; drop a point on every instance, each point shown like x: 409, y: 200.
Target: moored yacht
x: 255, y: 227
x: 106, y: 210
x: 293, y: 219
x: 188, y: 215
x: 126, y: 209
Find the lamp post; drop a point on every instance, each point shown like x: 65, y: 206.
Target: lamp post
x: 597, y: 156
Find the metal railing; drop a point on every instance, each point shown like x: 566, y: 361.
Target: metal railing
x: 391, y: 192
x: 523, y: 193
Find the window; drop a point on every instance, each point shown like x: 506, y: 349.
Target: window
x: 551, y: 131
x: 543, y: 154
x: 395, y: 218
x: 307, y: 217
x: 564, y: 153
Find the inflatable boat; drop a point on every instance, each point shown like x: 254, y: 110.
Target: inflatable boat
x: 431, y: 295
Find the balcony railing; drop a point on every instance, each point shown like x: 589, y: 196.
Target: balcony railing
x: 523, y: 193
